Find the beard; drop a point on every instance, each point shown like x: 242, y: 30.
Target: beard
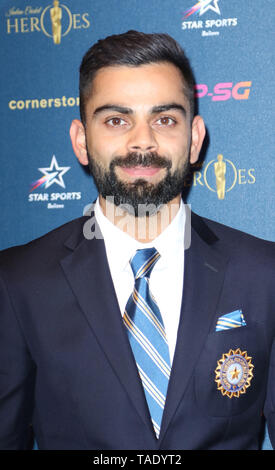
x: 140, y: 197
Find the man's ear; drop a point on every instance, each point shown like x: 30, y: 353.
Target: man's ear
x: 78, y: 138
x: 197, y: 137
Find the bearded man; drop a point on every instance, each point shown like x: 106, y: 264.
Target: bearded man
x: 138, y: 338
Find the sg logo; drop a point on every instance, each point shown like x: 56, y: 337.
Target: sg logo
x: 224, y: 91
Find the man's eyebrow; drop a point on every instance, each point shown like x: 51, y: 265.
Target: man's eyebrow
x: 113, y: 107
x: 125, y: 110
x: 167, y: 107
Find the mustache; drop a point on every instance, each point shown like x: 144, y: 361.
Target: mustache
x: 133, y: 159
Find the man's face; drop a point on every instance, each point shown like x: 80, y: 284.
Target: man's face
x: 138, y: 133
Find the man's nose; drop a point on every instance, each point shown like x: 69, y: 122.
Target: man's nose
x: 142, y: 139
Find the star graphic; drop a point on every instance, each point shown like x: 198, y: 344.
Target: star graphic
x: 206, y: 5
x: 235, y: 374
x: 203, y: 6
x: 54, y: 174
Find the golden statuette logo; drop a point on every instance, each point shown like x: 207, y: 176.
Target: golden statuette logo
x: 234, y: 373
x: 220, y: 167
x: 56, y: 15
x: 220, y: 170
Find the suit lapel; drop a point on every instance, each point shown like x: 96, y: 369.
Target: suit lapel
x: 203, y: 279
x: 87, y: 271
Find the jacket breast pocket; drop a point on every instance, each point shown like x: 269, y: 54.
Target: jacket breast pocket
x: 231, y: 372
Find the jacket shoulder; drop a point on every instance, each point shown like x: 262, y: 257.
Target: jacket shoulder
x: 233, y: 240
x: 45, y: 247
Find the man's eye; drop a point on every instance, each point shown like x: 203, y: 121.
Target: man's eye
x: 166, y: 121
x: 116, y: 122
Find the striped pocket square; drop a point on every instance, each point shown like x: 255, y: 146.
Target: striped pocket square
x: 231, y: 320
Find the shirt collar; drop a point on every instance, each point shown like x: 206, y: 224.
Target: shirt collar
x: 120, y: 246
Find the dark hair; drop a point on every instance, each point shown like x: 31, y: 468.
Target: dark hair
x: 133, y: 49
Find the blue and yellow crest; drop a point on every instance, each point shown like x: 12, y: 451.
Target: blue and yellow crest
x: 234, y: 373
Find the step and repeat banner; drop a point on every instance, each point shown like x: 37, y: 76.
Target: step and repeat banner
x: 230, y: 47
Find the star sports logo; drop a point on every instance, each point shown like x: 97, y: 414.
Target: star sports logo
x: 208, y: 27
x: 53, y: 174
x: 202, y: 7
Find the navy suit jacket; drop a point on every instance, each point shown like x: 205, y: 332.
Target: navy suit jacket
x: 66, y: 367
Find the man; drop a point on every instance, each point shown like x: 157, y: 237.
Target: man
x: 91, y: 357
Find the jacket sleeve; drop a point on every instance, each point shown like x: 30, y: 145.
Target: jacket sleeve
x: 269, y: 409
x: 17, y: 374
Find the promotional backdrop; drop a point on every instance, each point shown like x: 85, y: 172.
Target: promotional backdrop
x: 230, y: 47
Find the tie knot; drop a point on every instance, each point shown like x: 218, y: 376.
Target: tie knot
x: 143, y: 262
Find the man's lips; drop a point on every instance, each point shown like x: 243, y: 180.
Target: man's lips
x: 141, y: 170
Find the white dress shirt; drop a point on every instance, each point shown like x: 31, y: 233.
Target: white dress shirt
x: 166, y: 280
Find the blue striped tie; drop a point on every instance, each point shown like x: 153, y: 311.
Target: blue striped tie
x: 147, y: 337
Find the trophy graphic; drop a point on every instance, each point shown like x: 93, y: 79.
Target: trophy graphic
x: 56, y: 15
x: 220, y: 170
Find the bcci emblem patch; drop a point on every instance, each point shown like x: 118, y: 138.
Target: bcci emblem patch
x: 234, y: 373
